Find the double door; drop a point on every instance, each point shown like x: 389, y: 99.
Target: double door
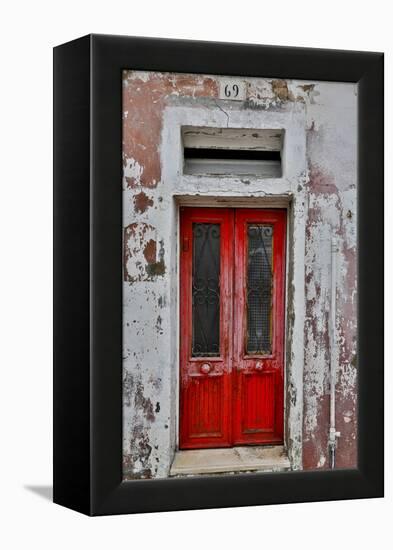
x: 232, y: 289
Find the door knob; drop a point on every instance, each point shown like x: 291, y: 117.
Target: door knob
x: 205, y: 368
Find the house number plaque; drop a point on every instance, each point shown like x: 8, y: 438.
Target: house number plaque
x: 233, y: 89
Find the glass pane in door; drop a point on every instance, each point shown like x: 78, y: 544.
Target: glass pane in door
x: 259, y: 289
x: 206, y: 290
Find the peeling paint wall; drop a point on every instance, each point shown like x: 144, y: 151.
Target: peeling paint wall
x: 331, y: 153
x: 319, y: 186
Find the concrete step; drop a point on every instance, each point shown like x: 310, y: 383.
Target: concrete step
x: 234, y: 459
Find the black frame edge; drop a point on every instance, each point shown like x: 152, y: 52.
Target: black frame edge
x: 109, y: 495
x: 236, y: 491
x: 71, y: 286
x: 371, y: 274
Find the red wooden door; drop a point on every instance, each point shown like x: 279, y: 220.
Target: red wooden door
x: 258, y: 358
x: 206, y: 327
x: 232, y: 273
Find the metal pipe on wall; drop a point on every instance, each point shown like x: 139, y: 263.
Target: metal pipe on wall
x: 333, y: 434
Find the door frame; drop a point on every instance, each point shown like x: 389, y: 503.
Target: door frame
x: 236, y: 205
x: 288, y: 191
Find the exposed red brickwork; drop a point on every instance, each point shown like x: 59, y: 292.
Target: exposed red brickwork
x: 142, y: 202
x: 144, y: 102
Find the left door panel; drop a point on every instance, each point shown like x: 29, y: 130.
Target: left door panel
x: 206, y: 249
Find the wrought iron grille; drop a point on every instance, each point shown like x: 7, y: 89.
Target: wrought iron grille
x: 259, y: 289
x: 206, y: 290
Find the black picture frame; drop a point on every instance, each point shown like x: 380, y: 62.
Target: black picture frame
x: 88, y: 274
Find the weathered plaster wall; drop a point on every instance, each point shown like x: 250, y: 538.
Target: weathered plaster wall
x: 320, y: 181
x: 331, y: 152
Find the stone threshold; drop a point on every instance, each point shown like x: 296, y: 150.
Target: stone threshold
x: 228, y: 460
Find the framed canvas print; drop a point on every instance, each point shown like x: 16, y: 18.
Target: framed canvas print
x: 218, y: 298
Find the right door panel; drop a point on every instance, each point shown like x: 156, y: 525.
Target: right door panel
x: 258, y: 329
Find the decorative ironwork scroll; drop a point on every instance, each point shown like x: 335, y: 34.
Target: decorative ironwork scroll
x: 206, y: 290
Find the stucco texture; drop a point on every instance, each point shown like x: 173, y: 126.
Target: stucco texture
x: 322, y: 189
